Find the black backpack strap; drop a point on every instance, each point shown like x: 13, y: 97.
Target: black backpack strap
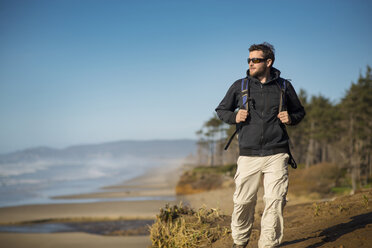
x: 282, y: 84
x: 246, y: 93
x: 230, y: 139
x: 283, y: 87
x: 291, y: 160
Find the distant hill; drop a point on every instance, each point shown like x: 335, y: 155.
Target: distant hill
x: 150, y: 148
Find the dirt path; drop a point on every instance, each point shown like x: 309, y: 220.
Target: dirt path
x: 345, y: 222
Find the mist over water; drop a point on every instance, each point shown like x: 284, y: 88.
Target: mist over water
x: 36, y: 175
x: 36, y: 182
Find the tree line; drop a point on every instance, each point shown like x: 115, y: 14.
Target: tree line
x: 338, y: 133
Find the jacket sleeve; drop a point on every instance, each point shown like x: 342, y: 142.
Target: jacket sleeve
x: 226, y: 109
x: 295, y: 109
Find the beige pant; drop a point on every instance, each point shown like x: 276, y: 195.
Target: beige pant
x: 250, y: 169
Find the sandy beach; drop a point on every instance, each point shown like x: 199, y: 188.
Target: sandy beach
x: 158, y: 184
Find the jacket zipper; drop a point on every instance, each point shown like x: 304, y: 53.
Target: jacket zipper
x: 262, y: 112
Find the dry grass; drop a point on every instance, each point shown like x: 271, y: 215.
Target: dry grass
x: 180, y: 226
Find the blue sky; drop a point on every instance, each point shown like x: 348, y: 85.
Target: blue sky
x: 87, y: 71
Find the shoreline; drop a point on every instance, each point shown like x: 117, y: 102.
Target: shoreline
x: 155, y: 184
x: 131, y: 200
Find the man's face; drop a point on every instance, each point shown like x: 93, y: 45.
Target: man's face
x: 259, y: 69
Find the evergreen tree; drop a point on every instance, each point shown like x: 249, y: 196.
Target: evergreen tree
x: 356, y: 135
x: 321, y: 129
x: 210, y: 137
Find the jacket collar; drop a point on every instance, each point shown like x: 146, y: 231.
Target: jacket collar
x: 274, y: 75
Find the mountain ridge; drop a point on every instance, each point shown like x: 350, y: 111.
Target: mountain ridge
x: 113, y: 149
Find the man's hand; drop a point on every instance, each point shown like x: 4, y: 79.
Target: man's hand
x: 284, y: 117
x: 241, y: 115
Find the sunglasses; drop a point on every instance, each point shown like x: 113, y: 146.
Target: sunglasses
x: 256, y: 60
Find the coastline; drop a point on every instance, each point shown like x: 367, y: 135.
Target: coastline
x: 158, y: 183
x: 302, y: 216
x: 136, y: 199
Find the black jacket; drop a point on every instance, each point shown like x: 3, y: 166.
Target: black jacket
x: 262, y: 133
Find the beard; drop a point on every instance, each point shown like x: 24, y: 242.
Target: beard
x: 258, y: 72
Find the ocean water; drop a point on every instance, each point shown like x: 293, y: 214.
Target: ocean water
x: 36, y: 182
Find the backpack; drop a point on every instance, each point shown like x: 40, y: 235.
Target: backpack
x: 247, y: 101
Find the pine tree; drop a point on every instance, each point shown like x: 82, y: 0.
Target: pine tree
x: 321, y: 129
x: 211, y: 135
x: 357, y: 125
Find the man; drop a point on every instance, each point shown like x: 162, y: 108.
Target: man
x: 263, y: 145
